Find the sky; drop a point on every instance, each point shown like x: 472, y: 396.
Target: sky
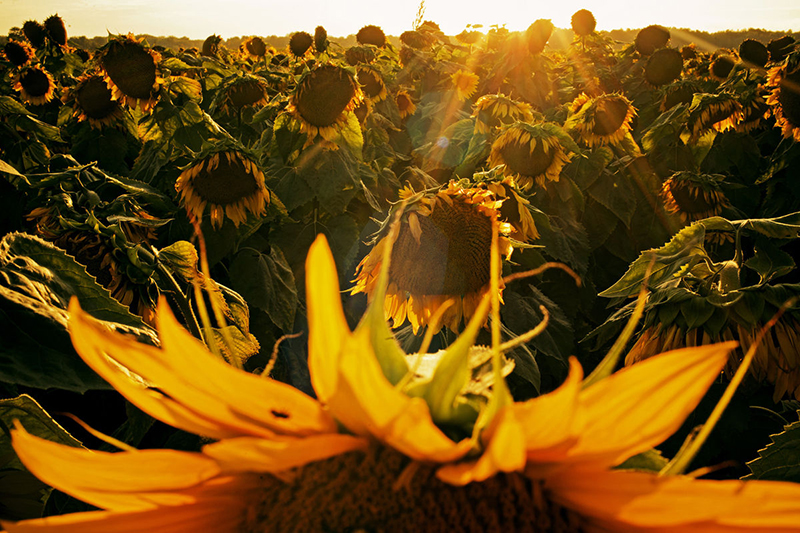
x: 198, y: 19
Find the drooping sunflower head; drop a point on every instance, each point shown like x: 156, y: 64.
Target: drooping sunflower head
x: 322, y: 98
x: 35, y: 33
x: 650, y: 39
x: 784, y: 99
x: 35, y: 85
x: 583, y: 22
x: 465, y: 83
x: 663, y: 66
x: 255, y: 47
x: 372, y: 84
x: 721, y: 112
x: 494, y: 110
x: 92, y: 101
x: 721, y: 67
x: 753, y: 53
x: 245, y: 90
x: 694, y: 196
x: 418, y: 40
x: 754, y: 109
x: 469, y: 37
x: 131, y: 72
x: 56, y: 30
x: 320, y: 39
x: 778, y: 48
x: 602, y: 120
x: 228, y: 182
x: 19, y: 53
x: 679, y: 92
x: 405, y: 104
x: 538, y: 34
x: 300, y: 43
x: 371, y: 35
x: 441, y: 254
x: 532, y: 152
x: 356, y: 55
x: 211, y: 45
x: 689, y: 51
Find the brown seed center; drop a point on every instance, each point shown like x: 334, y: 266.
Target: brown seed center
x: 227, y: 184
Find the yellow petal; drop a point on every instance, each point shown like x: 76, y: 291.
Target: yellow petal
x: 121, y: 481
x: 367, y: 404
x: 633, y: 501
x: 327, y: 326
x: 252, y: 454
x: 638, y: 407
x: 504, y: 453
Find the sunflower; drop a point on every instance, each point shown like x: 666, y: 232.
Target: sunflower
x: 678, y: 92
x: 92, y: 101
x: 663, y: 66
x: 778, y: 48
x: 226, y: 180
x: 56, y: 30
x: 35, y: 33
x: 583, y: 22
x: 721, y: 67
x: 130, y: 70
x: 358, y: 54
x: 538, y: 34
x: 373, y: 35
x: 405, y: 104
x: 650, y: 39
x: 19, y: 53
x: 689, y: 51
x: 320, y: 39
x: 418, y: 40
x: 531, y: 152
x: 300, y: 43
x: 372, y: 83
x: 255, y: 47
x: 245, y: 90
x: 753, y: 53
x: 441, y: 254
x: 322, y: 99
x: 605, y: 119
x: 465, y: 84
x: 754, y: 109
x: 211, y: 45
x: 493, y: 110
x: 280, y: 463
x: 35, y: 85
x: 784, y: 99
x: 720, y: 112
x: 694, y: 196
x: 688, y: 319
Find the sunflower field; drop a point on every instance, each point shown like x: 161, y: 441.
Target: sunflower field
x: 463, y: 283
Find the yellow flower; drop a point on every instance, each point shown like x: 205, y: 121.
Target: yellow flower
x: 515, y: 209
x: 785, y: 100
x: 245, y: 90
x: 92, y: 101
x: 280, y: 463
x: 465, y: 84
x: 300, y: 43
x: 694, y: 196
x: 19, y: 53
x: 372, y: 83
x: 254, y: 47
x: 439, y: 255
x: 663, y: 66
x: 35, y: 85
x: 405, y: 104
x: 603, y: 120
x: 720, y: 112
x: 228, y: 182
x: 322, y: 99
x: 493, y: 110
x: 130, y: 70
x: 531, y: 152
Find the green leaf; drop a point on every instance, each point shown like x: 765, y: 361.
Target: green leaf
x: 10, y: 106
x: 614, y: 193
x: 784, y: 227
x: 14, y: 177
x: 668, y: 260
x: 266, y: 281
x: 769, y: 261
x: 696, y: 312
x: 37, y: 281
x: 35, y: 420
x: 649, y: 461
x: 780, y: 460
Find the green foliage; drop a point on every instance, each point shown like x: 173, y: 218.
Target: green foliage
x: 780, y: 460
